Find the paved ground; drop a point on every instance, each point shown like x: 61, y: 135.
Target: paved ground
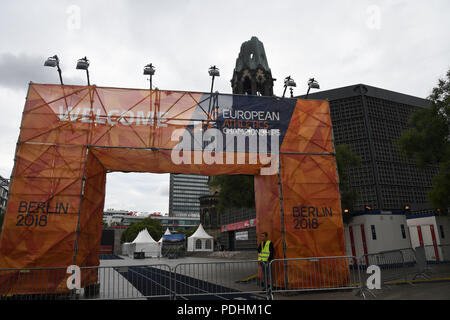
x: 418, y: 291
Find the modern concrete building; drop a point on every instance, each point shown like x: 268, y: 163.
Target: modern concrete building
x: 184, y: 193
x: 370, y: 119
x: 173, y: 223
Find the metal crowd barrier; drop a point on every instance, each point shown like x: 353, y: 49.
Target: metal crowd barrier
x: 399, y: 266
x: 219, y: 279
x: 121, y: 282
x: 34, y: 284
x: 132, y: 282
x: 249, y: 279
x: 313, y: 274
x: 392, y: 265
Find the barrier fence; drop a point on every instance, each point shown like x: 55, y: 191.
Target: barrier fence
x: 395, y: 265
x: 313, y: 274
x: 220, y: 279
x: 249, y: 279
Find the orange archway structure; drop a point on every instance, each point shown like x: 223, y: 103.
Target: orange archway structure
x: 71, y: 136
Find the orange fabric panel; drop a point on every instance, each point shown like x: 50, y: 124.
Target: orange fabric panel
x: 91, y: 214
x: 309, y: 129
x: 142, y: 160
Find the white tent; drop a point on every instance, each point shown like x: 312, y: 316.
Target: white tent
x: 200, y: 241
x: 167, y: 232
x: 145, y: 243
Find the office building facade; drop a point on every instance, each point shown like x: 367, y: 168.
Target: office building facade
x: 370, y: 120
x: 185, y: 191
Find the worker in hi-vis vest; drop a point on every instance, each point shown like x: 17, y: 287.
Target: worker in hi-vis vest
x: 265, y: 255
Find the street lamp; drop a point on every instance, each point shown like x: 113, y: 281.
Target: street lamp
x: 312, y: 84
x: 213, y: 72
x: 54, y: 62
x: 289, y: 82
x: 149, y: 70
x: 83, y: 64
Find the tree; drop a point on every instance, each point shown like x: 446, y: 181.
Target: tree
x: 346, y: 159
x: 153, y: 226
x: 236, y: 191
x: 427, y: 140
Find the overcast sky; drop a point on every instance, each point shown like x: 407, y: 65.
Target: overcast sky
x: 400, y: 45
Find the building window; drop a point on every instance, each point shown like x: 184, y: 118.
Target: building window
x: 441, y: 228
x: 374, y: 234
x: 402, y: 226
x: 208, y: 244
x: 198, y: 244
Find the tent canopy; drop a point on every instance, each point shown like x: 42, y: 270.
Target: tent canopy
x: 200, y: 233
x: 144, y: 237
x: 167, y: 231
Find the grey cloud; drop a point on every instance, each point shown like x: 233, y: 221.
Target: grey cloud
x: 16, y: 71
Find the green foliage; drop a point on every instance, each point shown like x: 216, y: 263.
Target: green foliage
x: 427, y: 140
x: 346, y: 158
x: 439, y: 194
x: 236, y: 191
x: 153, y: 226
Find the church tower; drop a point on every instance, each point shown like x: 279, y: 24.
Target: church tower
x: 252, y: 74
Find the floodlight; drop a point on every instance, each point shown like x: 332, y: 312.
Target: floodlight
x: 52, y: 61
x: 83, y: 64
x: 149, y: 70
x: 214, y: 71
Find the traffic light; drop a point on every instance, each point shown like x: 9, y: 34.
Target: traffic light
x: 346, y: 211
x: 367, y: 208
x: 407, y: 208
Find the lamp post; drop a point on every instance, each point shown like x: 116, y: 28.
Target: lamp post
x: 312, y: 83
x: 149, y: 70
x: 213, y: 72
x: 83, y: 64
x: 54, y: 62
x: 289, y: 82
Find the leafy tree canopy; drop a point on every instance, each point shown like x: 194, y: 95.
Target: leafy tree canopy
x: 346, y: 159
x: 153, y: 226
x: 427, y: 140
x: 236, y: 191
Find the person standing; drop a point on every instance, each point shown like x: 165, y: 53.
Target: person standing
x: 265, y: 255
